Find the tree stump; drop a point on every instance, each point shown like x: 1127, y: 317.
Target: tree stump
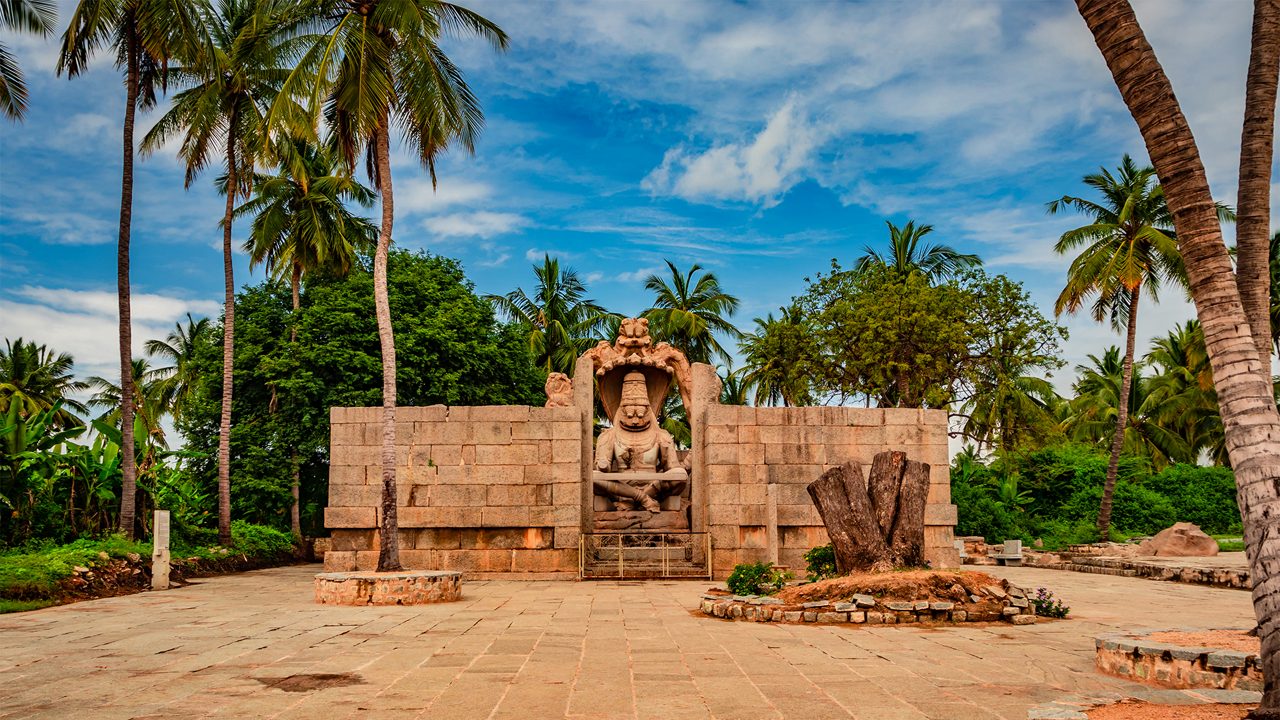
x: 875, y: 523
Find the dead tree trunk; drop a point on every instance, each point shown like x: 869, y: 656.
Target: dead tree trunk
x: 875, y: 524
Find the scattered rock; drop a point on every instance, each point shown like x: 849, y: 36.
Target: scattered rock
x: 995, y: 592
x: 1023, y: 619
x: 1181, y: 540
x: 865, y: 601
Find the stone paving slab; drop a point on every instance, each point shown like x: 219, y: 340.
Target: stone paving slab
x: 255, y: 646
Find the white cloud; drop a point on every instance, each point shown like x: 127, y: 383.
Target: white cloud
x: 84, y: 323
x: 414, y: 194
x: 635, y: 276
x: 481, y: 224
x: 758, y: 171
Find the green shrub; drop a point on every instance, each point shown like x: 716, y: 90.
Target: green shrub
x: 756, y: 579
x: 820, y: 562
x: 34, y: 571
x: 1134, y: 508
x: 1205, y: 496
x: 260, y: 541
x: 1047, y: 605
x: 980, y: 514
x: 1058, y: 534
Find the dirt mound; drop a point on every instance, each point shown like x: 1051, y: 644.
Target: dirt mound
x: 933, y: 585
x: 1237, y: 640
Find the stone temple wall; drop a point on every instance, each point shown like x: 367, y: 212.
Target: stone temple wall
x: 757, y: 462
x: 480, y: 489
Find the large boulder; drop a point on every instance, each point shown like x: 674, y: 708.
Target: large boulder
x: 1181, y: 540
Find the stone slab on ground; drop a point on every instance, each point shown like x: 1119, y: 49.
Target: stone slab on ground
x: 405, y: 587
x: 256, y: 645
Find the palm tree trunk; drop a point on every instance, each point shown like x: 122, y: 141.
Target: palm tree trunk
x: 295, y: 519
x: 1251, y: 424
x: 1253, y: 201
x: 128, y: 463
x: 1122, y: 417
x: 228, y: 352
x: 389, y: 545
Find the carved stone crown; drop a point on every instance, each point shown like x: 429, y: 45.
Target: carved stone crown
x: 634, y: 351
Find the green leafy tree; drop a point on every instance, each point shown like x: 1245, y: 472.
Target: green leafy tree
x: 733, y: 389
x: 902, y: 341
x: 178, y: 349
x: 778, y: 356
x: 34, y: 378
x: 230, y: 80
x: 36, y: 17
x: 1129, y: 244
x: 561, y: 321
x: 907, y: 254
x: 1010, y: 407
x: 455, y: 352
x: 378, y: 64
x: 689, y: 312
x: 143, y: 35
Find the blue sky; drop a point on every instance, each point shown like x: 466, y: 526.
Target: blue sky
x: 758, y: 139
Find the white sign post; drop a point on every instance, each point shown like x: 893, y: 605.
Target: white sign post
x: 160, y: 552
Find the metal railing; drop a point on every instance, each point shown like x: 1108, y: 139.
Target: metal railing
x: 633, y: 554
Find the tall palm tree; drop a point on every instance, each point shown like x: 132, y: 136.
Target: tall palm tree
x: 561, y: 320
x: 151, y: 400
x: 778, y: 356
x: 229, y: 82
x: 1253, y: 199
x: 37, y: 378
x: 1246, y: 397
x: 1091, y: 415
x: 301, y: 224
x: 28, y: 16
x: 734, y: 390
x: 143, y: 35
x: 378, y: 64
x: 689, y: 312
x: 1130, y: 244
x: 1182, y: 390
x: 1008, y: 406
x: 907, y: 254
x: 179, y: 350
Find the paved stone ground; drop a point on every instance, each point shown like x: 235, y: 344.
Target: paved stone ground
x: 254, y: 645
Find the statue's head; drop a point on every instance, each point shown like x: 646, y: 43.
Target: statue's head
x: 633, y: 335
x: 634, y: 411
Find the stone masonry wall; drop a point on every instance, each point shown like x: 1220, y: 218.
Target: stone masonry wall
x: 481, y: 489
x: 758, y: 462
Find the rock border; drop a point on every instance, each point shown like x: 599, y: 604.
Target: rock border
x: 409, y: 587
x: 1007, y: 603
x: 1130, y: 656
x: 1075, y: 707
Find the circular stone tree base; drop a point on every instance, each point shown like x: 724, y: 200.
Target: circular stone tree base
x: 406, y: 587
x: 1182, y: 658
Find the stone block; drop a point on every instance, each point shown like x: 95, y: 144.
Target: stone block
x: 566, y: 430
x: 346, y: 475
x: 513, y: 454
x: 441, y: 455
x: 723, y: 495
x: 566, y: 493
x: 753, y: 515
x: 940, y: 515
x: 545, y: 415
x: 350, y: 517
x: 751, y: 453
x: 502, y: 413
x: 497, y: 474
x: 726, y: 454
x: 748, y: 434
x: 770, y: 416
x: 505, y: 538
x: 566, y: 537
x: 546, y: 560
x: 347, y: 434
x: 446, y: 517
x: 798, y: 515
x: 504, y: 516
x: 489, y: 432
x: 423, y: 413
x: 361, y: 455
x: 354, y: 495
x: 902, y: 416
x: 506, y: 495
x: 457, y: 495
x: 353, y: 540
x: 354, y: 414
x: 752, y: 494
x: 340, y: 560
x: 721, y: 434
x: 800, y: 475
x: 566, y: 451
x: 437, y: 539
x: 833, y: 617
x: 723, y: 474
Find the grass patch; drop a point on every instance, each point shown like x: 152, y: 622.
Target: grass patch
x: 1231, y: 546
x: 33, y: 572
x: 13, y: 606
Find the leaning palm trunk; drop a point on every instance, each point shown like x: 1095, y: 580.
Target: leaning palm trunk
x: 228, y: 355
x: 1253, y: 201
x: 129, y: 466
x: 1122, y: 417
x: 389, y: 547
x: 295, y: 518
x: 1250, y: 421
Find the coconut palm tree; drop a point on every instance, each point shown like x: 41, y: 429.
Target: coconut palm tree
x: 1182, y: 390
x: 689, y: 312
x: 36, y: 17
x: 1245, y: 396
x: 1275, y: 295
x: 229, y: 82
x: 1007, y: 405
x: 143, y: 35
x: 179, y: 349
x: 1129, y: 244
x: 1091, y: 415
x: 378, y: 64
x: 778, y: 356
x: 151, y: 400
x: 561, y: 320
x: 37, y: 378
x: 301, y: 224
x: 733, y: 389
x: 907, y: 254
